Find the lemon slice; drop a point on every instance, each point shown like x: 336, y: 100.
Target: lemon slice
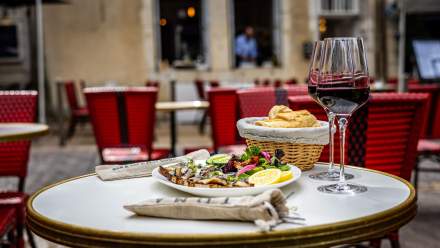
x: 285, y: 175
x: 265, y: 177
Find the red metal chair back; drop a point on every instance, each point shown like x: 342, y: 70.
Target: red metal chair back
x: 223, y: 110
x: 432, y: 121
x: 214, y: 83
x: 72, y: 100
x: 122, y: 117
x: 291, y: 81
x: 150, y: 83
x: 296, y: 90
x: 16, y: 106
x: 394, y: 128
x: 277, y: 83
x: 256, y: 102
x: 200, y: 87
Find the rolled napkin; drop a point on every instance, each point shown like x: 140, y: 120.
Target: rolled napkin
x: 141, y: 169
x: 266, y: 210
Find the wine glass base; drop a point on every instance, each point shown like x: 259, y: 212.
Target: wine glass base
x: 329, y: 176
x: 348, y: 189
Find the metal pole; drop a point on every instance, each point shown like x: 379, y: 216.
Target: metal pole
x: 402, y: 86
x: 40, y: 61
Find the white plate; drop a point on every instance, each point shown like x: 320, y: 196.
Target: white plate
x: 218, y: 192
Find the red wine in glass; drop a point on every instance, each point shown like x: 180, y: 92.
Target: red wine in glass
x: 343, y: 97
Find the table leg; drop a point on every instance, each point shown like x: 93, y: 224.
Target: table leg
x: 173, y: 129
x: 61, y: 133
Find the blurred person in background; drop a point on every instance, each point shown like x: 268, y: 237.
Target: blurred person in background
x: 246, y: 48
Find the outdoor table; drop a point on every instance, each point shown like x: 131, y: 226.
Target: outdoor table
x: 85, y: 211
x: 174, y: 106
x: 21, y: 131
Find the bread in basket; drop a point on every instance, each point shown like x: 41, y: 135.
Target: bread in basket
x: 302, y: 145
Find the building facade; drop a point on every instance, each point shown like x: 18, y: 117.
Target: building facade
x: 131, y: 41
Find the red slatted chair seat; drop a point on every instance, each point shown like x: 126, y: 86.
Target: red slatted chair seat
x: 223, y: 109
x: 123, y: 123
x: 256, y: 102
x: 16, y: 106
x: 428, y: 146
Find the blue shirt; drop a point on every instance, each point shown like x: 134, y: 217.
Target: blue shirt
x: 246, y: 47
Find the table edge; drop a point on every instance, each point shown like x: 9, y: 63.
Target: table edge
x: 320, y: 235
x: 25, y: 135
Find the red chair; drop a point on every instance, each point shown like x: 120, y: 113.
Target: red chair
x: 78, y: 114
x: 428, y: 147
x: 291, y: 81
x: 214, y: 83
x: 223, y: 109
x: 296, y: 90
x: 123, y: 122
x: 15, y: 106
x: 255, y: 102
x: 394, y: 128
x: 150, y: 83
x: 394, y: 121
x: 266, y: 82
x: 200, y: 88
x: 277, y: 83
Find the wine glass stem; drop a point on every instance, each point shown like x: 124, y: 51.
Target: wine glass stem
x: 331, y: 122
x: 342, y: 128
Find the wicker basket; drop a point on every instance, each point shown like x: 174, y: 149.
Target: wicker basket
x: 302, y: 155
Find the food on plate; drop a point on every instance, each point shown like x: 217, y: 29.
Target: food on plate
x: 253, y: 168
x: 281, y: 116
x: 265, y: 177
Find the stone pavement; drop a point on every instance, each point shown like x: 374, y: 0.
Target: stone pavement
x: 50, y: 163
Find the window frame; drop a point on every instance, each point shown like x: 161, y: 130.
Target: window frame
x: 277, y: 39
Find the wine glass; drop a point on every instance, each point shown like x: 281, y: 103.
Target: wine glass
x: 343, y: 87
x: 331, y: 174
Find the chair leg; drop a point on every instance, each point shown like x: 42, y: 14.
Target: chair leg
x: 72, y: 127
x: 376, y: 243
x: 20, y: 240
x: 30, y: 236
x: 203, y: 122
x: 416, y: 175
x: 394, y: 239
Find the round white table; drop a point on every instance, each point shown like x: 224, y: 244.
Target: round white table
x: 86, y: 211
x: 20, y: 131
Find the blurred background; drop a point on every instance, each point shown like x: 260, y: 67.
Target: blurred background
x: 128, y: 42
x: 46, y: 45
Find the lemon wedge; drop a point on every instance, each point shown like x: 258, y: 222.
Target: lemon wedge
x: 265, y: 177
x: 285, y: 175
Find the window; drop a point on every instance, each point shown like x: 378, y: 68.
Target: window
x: 8, y: 42
x: 181, y: 33
x: 256, y: 33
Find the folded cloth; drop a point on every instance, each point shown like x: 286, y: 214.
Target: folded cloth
x: 265, y: 210
x: 141, y: 169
